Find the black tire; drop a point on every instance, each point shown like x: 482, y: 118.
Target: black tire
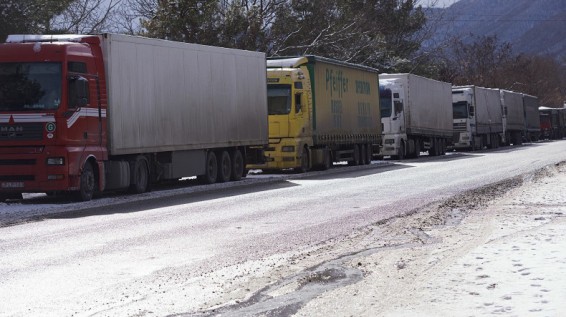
x: 363, y: 154
x: 210, y: 169
x: 369, y: 153
x: 355, y: 156
x: 139, y: 179
x: 238, y: 165
x: 224, y: 167
x: 491, y: 142
x: 437, y: 147
x: 326, y: 161
x: 433, y: 150
x: 401, y: 155
x: 87, y: 183
x: 417, y: 149
x: 9, y: 196
x: 305, y: 161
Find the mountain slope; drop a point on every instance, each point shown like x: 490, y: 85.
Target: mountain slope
x: 531, y: 26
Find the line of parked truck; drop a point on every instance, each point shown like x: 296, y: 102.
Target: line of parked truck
x: 552, y: 122
x: 89, y: 113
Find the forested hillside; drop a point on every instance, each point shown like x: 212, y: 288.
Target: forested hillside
x: 512, y: 44
x: 530, y: 26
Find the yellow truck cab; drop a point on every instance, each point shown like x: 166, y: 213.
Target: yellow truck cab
x: 289, y: 118
x: 320, y: 111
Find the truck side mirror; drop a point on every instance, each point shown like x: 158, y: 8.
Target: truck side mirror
x: 298, y: 106
x: 78, y: 92
x: 472, y: 111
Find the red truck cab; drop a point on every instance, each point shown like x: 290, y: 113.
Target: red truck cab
x: 52, y: 114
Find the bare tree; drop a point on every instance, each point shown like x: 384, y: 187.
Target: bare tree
x: 130, y: 14
x: 87, y: 16
x: 489, y: 63
x: 540, y: 76
x: 480, y: 62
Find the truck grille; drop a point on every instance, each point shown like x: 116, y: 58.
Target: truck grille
x: 14, y: 178
x: 23, y: 132
x: 17, y: 162
x: 456, y: 137
x: 460, y: 126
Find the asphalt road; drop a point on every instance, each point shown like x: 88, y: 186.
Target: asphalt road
x: 183, y: 251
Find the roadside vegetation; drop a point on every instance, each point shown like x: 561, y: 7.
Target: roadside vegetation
x: 384, y: 34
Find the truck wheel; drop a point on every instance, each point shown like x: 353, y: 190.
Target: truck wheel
x: 237, y: 165
x: 6, y: 196
x: 363, y: 154
x: 355, y: 156
x: 211, y: 170
x: 401, y: 155
x: 224, y: 167
x: 369, y: 153
x: 139, y: 182
x: 87, y: 183
x: 327, y: 160
x: 436, y: 148
x: 305, y: 161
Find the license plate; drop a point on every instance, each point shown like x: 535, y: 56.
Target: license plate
x: 12, y: 184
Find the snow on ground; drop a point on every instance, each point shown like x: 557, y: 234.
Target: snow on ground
x: 506, y: 257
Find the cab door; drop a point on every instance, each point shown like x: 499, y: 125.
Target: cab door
x: 84, y: 115
x: 398, y: 113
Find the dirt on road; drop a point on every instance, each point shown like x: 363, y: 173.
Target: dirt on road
x: 498, y: 250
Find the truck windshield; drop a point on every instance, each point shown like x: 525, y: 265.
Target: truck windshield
x: 30, y: 86
x: 279, y: 99
x: 460, y: 110
x: 385, y: 102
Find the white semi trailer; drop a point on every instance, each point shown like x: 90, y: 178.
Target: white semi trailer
x: 513, y: 116
x: 416, y: 113
x: 478, y: 117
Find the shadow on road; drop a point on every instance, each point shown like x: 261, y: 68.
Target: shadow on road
x: 168, y: 201
x: 189, y: 191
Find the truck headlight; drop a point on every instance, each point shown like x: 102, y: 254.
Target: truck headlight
x: 288, y: 148
x: 55, y: 161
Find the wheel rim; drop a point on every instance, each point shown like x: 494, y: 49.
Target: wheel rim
x: 211, y: 172
x: 90, y: 182
x: 238, y: 166
x: 87, y: 183
x: 225, y: 167
x: 141, y: 176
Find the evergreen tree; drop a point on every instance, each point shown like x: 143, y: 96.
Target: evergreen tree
x: 194, y: 21
x: 29, y: 16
